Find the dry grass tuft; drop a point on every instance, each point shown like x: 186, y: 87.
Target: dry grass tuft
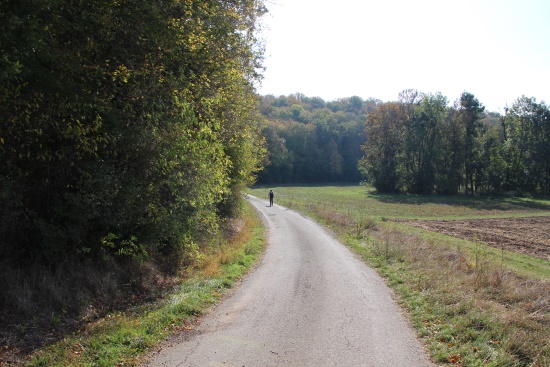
x: 217, y: 256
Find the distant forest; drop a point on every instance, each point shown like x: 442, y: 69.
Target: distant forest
x: 310, y: 140
x: 420, y: 144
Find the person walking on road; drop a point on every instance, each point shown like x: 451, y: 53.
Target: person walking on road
x: 271, y: 196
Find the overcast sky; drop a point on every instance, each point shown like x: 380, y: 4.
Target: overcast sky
x: 498, y: 50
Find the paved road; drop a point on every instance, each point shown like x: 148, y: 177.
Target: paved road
x: 309, y: 303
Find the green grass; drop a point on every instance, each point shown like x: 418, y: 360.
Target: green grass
x: 121, y: 339
x: 472, y: 305
x: 358, y: 205
x: 362, y: 201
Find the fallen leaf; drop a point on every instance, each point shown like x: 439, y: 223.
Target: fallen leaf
x: 454, y: 359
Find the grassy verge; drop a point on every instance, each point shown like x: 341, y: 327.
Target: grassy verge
x: 470, y: 305
x: 121, y: 339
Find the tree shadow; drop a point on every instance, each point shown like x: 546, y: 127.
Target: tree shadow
x: 502, y: 203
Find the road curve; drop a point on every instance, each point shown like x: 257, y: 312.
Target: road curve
x: 309, y: 303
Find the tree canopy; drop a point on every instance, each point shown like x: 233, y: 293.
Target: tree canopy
x: 126, y: 127
x: 421, y: 145
x: 310, y: 140
x: 418, y: 144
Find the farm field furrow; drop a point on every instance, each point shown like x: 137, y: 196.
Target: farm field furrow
x: 528, y: 236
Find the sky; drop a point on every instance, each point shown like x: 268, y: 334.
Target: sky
x: 497, y: 50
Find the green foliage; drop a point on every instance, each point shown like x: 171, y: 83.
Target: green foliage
x: 420, y: 145
x: 527, y: 146
x: 423, y: 143
x: 124, y: 337
x: 310, y: 140
x: 384, y: 147
x: 120, y: 246
x: 469, y: 114
x: 127, y: 127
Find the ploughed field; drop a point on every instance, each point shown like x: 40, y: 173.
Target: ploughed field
x: 529, y: 236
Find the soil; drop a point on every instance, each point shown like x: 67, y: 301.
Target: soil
x: 530, y: 236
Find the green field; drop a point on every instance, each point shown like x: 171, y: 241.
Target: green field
x: 362, y: 201
x: 348, y: 207
x: 472, y: 305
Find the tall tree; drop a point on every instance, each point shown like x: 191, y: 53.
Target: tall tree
x: 381, y: 161
x: 423, y: 130
x: 527, y: 147
x: 470, y: 113
x: 450, y: 160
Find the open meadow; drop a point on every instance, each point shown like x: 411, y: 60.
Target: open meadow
x: 473, y: 273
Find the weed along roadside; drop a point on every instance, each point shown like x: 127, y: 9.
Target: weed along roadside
x: 123, y: 338
x: 471, y: 304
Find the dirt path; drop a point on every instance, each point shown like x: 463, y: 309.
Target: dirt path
x: 309, y: 303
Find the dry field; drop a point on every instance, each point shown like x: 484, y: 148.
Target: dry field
x: 530, y: 236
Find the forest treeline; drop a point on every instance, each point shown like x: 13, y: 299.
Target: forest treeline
x: 127, y: 128
x: 421, y: 145
x: 310, y: 140
x: 418, y: 144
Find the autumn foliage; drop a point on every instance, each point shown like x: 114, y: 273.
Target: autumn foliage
x: 127, y: 128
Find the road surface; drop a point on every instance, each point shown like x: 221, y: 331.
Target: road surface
x: 309, y: 303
